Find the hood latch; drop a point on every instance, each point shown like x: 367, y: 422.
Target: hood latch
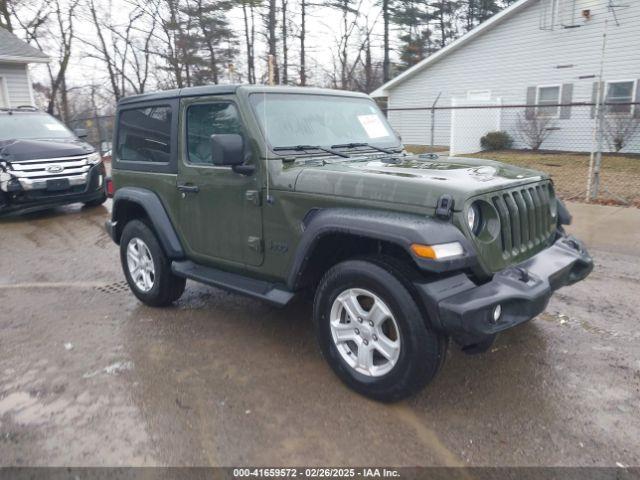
x: 444, y: 207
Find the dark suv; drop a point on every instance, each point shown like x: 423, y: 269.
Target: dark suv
x: 43, y: 164
x: 270, y: 192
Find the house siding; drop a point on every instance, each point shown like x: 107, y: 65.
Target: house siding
x: 16, y: 81
x: 517, y: 54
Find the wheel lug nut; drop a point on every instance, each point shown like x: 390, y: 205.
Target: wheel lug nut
x: 357, y: 331
x: 366, y: 342
x: 375, y: 338
x: 370, y: 323
x: 360, y: 319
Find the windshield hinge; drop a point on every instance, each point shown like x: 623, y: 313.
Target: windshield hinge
x: 444, y: 207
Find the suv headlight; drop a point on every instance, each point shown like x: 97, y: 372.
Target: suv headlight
x: 94, y: 158
x: 473, y: 218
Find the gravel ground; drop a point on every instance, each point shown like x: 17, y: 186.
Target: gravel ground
x: 89, y: 376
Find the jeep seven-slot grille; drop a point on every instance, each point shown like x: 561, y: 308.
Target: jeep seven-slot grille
x: 525, y: 218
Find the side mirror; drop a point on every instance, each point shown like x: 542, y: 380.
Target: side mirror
x: 227, y: 149
x: 81, y: 133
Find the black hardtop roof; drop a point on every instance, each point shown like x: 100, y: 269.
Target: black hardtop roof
x: 231, y: 89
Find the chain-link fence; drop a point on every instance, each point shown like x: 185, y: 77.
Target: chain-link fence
x: 592, y: 153
x: 98, y: 130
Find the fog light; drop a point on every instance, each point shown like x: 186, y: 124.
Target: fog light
x: 497, y: 311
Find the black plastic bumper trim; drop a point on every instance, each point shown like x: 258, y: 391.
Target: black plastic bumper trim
x: 464, y: 310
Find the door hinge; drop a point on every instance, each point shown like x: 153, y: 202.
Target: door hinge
x: 253, y: 196
x: 255, y: 244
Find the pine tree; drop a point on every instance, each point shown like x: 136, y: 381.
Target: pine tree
x: 212, y: 40
x: 412, y: 16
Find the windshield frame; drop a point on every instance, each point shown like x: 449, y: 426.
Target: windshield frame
x: 41, y: 115
x: 288, y: 153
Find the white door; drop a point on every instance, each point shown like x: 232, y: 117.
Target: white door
x: 469, y: 124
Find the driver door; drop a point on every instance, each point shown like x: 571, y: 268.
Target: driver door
x: 220, y: 219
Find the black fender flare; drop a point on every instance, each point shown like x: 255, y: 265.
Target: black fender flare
x: 157, y: 214
x: 564, y: 217
x: 402, y: 229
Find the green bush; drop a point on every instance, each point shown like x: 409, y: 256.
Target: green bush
x: 496, y: 141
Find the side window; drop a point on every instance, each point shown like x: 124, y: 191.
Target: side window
x: 205, y: 120
x: 144, y: 135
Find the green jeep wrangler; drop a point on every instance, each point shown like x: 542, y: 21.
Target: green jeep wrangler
x: 274, y: 191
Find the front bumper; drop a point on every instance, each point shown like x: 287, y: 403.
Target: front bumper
x: 22, y: 200
x: 464, y: 310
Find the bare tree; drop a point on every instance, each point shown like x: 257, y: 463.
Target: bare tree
x: 303, y: 39
x: 533, y: 131
x: 124, y: 49
x: 60, y: 20
x: 386, y: 62
x: 28, y: 17
x: 619, y: 130
x: 285, y: 50
x: 342, y: 64
x: 248, y: 16
x: 107, y: 51
x: 5, y: 15
x: 271, y: 25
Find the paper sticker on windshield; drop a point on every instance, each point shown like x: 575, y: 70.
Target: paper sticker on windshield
x: 55, y: 127
x: 373, y: 125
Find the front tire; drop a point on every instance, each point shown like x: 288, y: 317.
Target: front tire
x: 147, y: 268
x: 373, y: 333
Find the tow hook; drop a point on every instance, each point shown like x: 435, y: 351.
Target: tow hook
x: 524, y: 274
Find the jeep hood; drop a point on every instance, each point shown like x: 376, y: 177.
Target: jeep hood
x: 17, y: 150
x: 412, y: 179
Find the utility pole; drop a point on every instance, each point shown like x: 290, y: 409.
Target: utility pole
x: 271, y: 67
x: 595, y: 161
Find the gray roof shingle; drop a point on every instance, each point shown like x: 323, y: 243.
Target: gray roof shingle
x: 12, y: 48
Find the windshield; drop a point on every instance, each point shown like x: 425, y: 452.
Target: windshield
x: 31, y: 126
x: 305, y: 119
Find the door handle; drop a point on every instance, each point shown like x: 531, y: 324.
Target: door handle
x: 188, y: 188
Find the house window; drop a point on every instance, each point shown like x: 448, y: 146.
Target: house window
x: 4, y: 101
x: 548, y: 100
x: 619, y: 97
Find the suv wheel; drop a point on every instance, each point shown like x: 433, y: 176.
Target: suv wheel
x: 147, y: 268
x: 372, y: 332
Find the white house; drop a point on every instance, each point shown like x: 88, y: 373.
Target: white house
x: 15, y: 82
x: 536, y: 53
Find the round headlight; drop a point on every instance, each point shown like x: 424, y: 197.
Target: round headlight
x: 473, y: 219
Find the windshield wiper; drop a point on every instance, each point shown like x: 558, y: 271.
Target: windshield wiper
x: 354, y: 145
x: 299, y: 148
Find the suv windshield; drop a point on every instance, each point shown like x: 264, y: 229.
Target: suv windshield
x: 309, y: 119
x: 19, y: 125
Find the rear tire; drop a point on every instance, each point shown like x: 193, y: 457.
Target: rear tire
x: 407, y: 353
x: 147, y: 268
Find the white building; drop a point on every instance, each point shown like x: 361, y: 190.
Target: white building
x: 15, y: 82
x: 535, y: 52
